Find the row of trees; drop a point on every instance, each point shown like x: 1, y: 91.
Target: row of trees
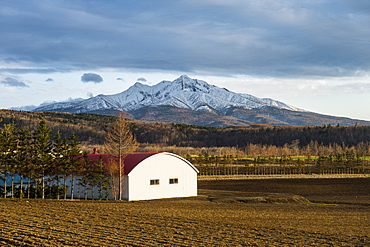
x: 313, y: 148
x: 44, y: 161
x: 269, y: 152
x: 288, y: 159
x: 37, y: 157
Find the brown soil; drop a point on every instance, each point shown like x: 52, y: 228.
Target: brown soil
x: 226, y: 213
x: 354, y: 191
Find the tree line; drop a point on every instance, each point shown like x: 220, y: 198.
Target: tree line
x: 92, y: 129
x: 45, y: 160
x: 194, y: 136
x: 313, y: 153
x: 42, y: 161
x: 259, y: 159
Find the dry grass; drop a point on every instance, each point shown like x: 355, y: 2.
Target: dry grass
x: 227, y: 213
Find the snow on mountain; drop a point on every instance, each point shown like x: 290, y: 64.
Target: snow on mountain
x: 184, y: 92
x: 33, y: 107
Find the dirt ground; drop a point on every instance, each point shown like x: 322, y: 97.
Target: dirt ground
x: 270, y: 212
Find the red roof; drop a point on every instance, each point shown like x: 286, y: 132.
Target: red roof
x: 131, y: 160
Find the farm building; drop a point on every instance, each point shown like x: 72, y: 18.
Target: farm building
x: 146, y: 176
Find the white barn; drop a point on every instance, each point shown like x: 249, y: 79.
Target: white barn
x: 150, y: 176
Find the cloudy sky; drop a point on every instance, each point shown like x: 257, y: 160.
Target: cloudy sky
x: 312, y: 54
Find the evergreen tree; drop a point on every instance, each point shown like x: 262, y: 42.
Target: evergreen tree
x: 60, y: 167
x: 24, y: 162
x: 8, y: 153
x: 42, y: 156
x: 73, y: 161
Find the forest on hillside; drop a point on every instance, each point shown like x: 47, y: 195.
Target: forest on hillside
x: 91, y: 129
x: 255, y: 149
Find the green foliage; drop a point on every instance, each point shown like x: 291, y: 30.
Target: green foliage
x: 34, y: 154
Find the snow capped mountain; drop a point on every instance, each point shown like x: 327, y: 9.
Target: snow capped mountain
x: 184, y: 92
x: 193, y: 101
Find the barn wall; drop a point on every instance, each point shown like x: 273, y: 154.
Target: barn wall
x: 162, y: 166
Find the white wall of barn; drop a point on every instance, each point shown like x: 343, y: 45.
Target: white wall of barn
x: 162, y: 166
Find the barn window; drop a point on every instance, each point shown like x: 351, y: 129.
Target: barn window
x: 174, y: 180
x: 154, y: 181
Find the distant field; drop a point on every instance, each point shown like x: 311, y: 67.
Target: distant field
x: 268, y: 212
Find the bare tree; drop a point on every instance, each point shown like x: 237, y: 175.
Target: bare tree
x: 120, y: 141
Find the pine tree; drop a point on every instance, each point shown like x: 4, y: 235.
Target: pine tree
x: 8, y: 149
x: 60, y: 167
x: 24, y: 159
x: 43, y: 157
x: 74, y: 160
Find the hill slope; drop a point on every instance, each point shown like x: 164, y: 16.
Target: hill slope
x: 91, y: 130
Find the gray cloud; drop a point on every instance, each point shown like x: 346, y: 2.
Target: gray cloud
x: 91, y: 77
x: 12, y: 82
x: 32, y: 70
x: 274, y: 38
x: 142, y: 79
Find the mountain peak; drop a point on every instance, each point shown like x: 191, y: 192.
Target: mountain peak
x: 198, y: 98
x: 184, y: 77
x: 193, y: 85
x: 183, y: 92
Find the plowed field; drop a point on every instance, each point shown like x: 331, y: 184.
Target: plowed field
x: 226, y: 213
